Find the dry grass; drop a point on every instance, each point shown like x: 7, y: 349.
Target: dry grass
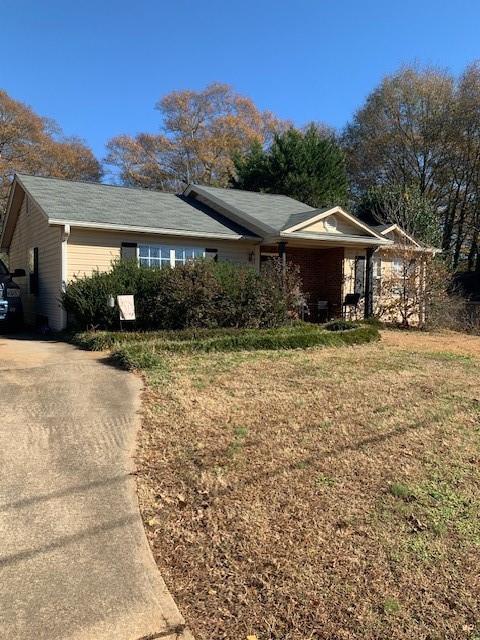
x: 319, y: 494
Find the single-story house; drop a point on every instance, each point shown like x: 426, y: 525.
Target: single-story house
x: 56, y: 229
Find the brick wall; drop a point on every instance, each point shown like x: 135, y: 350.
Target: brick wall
x: 321, y: 271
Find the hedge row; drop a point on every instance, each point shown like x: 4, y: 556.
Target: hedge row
x: 105, y: 340
x: 144, y: 351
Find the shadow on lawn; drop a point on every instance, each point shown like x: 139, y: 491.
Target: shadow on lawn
x: 355, y: 446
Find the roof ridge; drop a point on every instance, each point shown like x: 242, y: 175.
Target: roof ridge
x: 96, y: 184
x: 257, y: 193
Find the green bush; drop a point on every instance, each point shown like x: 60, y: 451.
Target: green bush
x: 198, y: 294
x: 340, y: 325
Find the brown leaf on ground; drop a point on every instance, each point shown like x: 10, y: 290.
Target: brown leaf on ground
x: 281, y: 487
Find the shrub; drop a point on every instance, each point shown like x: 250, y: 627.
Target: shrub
x: 148, y: 351
x: 340, y: 325
x: 198, y: 294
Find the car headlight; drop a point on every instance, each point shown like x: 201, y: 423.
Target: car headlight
x: 13, y: 293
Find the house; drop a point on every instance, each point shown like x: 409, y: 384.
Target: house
x: 56, y: 229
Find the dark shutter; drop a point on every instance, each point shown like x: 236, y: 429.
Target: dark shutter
x: 34, y: 273
x: 128, y: 251
x: 212, y: 254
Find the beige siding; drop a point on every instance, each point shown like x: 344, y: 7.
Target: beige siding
x: 32, y: 230
x: 343, y: 227
x: 90, y: 250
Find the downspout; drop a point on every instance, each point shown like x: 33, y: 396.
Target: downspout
x: 65, y: 237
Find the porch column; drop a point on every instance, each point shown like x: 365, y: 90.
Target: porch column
x: 369, y: 284
x: 282, y: 254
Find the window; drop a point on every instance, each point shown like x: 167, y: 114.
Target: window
x: 397, y: 266
x: 330, y: 223
x: 404, y: 267
x: 159, y: 256
x: 184, y: 254
x: 154, y: 256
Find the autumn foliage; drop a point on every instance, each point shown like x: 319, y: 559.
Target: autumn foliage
x: 32, y: 144
x: 201, y: 132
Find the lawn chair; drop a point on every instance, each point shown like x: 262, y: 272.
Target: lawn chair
x: 350, y: 306
x: 322, y: 310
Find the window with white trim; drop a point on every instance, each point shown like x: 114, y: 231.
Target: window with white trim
x: 158, y: 256
x: 398, y: 266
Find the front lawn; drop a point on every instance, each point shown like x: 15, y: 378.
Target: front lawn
x: 320, y: 493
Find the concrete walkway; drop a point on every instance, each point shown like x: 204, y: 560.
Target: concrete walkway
x: 74, y: 560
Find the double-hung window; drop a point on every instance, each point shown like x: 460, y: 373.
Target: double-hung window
x: 167, y: 256
x: 398, y: 267
x: 154, y: 256
x: 184, y: 254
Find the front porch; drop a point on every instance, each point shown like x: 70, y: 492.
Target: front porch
x: 330, y: 276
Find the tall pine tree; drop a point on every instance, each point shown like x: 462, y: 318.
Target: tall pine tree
x: 306, y: 165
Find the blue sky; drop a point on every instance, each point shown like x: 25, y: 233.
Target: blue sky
x: 99, y: 67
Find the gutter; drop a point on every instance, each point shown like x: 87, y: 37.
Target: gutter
x: 150, y: 230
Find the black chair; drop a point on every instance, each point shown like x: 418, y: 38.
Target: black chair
x: 322, y: 310
x: 350, y: 305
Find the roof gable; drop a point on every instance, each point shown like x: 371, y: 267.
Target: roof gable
x: 334, y: 221
x: 397, y: 235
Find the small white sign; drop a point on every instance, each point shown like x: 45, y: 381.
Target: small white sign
x: 126, y: 304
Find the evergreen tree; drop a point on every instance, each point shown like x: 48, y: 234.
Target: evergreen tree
x: 306, y: 165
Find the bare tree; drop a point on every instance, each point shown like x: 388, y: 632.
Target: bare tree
x: 420, y: 129
x: 412, y: 290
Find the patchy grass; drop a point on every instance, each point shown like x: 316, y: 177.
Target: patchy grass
x: 319, y: 493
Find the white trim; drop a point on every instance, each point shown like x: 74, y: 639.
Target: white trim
x: 64, y: 268
x: 26, y: 193
x: 326, y: 214
x: 396, y: 227
x: 419, y: 249
x: 339, y: 240
x: 151, y: 230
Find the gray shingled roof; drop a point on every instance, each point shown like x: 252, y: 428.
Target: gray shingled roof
x: 276, y: 211
x: 106, y: 204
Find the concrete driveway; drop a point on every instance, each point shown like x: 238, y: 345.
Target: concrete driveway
x: 74, y: 560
